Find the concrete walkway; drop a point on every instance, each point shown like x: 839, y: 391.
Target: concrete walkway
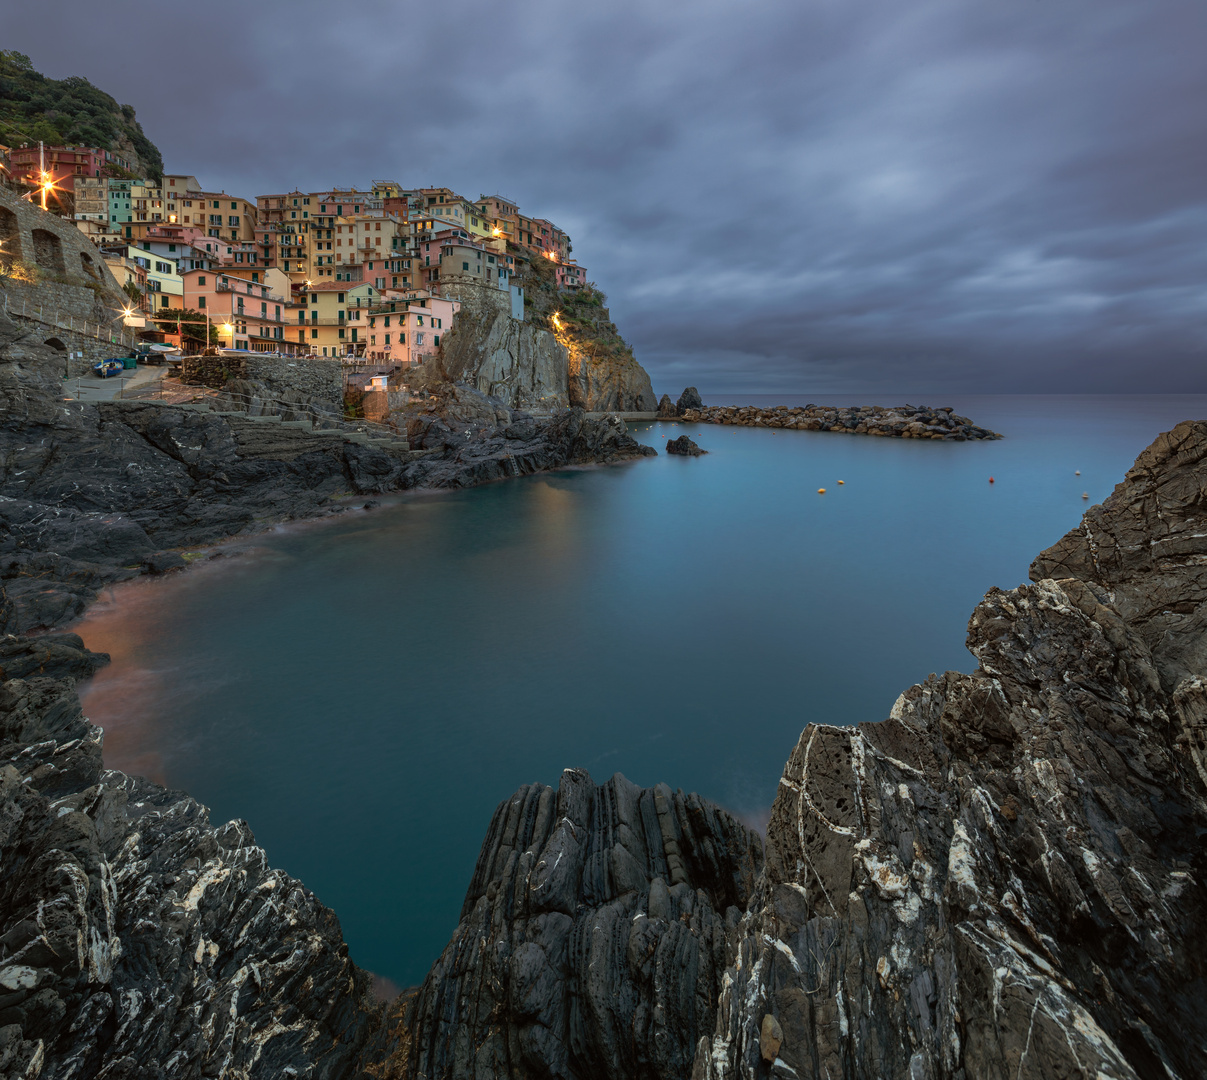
x: 92, y: 387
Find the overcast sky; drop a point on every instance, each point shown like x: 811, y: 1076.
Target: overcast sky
x: 806, y: 196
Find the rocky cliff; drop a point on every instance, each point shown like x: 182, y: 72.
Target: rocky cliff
x: 592, y: 939
x: 137, y: 939
x: 603, y: 374
x: 1006, y: 877
x: 520, y: 363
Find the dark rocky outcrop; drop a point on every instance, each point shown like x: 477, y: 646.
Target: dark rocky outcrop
x: 137, y: 939
x: 667, y: 409
x: 592, y: 940
x: 689, y: 399
x: 96, y: 493
x: 1006, y: 877
x: 683, y: 445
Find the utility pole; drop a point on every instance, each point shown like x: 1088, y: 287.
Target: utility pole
x: 42, y: 170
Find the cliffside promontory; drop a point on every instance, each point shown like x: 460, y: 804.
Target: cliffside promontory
x: 565, y: 351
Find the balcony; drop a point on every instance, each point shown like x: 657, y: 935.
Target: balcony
x: 257, y: 297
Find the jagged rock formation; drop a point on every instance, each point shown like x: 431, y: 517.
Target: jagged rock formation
x: 689, y: 399
x: 94, y: 493
x: 592, y: 938
x: 137, y: 939
x: 520, y: 363
x: 1006, y: 878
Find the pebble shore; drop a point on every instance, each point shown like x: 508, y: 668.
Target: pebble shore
x: 901, y: 422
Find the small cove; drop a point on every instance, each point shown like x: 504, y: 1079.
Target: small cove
x: 365, y: 691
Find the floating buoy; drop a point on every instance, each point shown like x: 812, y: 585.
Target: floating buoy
x: 991, y: 479
x: 1077, y: 473
x: 1085, y: 494
x: 842, y: 481
x: 821, y: 491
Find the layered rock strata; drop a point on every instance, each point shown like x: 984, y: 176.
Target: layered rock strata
x: 1006, y: 877
x: 592, y: 940
x: 94, y: 493
x: 136, y: 938
x: 903, y: 421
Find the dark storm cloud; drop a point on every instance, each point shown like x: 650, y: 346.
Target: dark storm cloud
x: 801, y: 196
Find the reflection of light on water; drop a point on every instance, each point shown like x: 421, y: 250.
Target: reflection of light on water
x: 130, y: 696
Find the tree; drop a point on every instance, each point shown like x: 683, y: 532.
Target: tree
x: 188, y: 323
x: 132, y: 290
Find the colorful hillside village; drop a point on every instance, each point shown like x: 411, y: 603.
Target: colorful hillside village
x: 367, y: 275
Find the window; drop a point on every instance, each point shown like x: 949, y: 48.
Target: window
x: 436, y: 339
x: 465, y: 266
x: 387, y: 339
x: 419, y: 338
x: 341, y: 331
x: 215, y: 206
x: 164, y: 302
x: 234, y: 206
x: 339, y: 300
x: 201, y: 301
x: 200, y: 279
x: 314, y: 333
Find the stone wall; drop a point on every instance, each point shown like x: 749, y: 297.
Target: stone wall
x: 36, y: 237
x: 57, y: 287
x: 315, y: 379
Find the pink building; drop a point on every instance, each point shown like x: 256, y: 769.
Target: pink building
x: 409, y: 331
x: 247, y: 314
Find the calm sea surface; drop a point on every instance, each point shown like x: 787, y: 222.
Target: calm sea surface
x: 364, y: 692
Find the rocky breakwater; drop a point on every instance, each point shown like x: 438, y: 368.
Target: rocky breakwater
x: 1007, y: 877
x: 96, y: 493
x: 592, y: 941
x: 137, y: 939
x: 902, y: 422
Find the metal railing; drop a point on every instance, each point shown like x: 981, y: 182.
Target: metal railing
x: 97, y: 329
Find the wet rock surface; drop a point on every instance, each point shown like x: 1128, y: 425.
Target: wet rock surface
x: 1006, y: 878
x: 92, y: 494
x: 684, y: 446
x: 592, y: 939
x: 902, y: 421
x: 136, y: 938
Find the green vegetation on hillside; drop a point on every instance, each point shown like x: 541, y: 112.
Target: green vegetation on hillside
x: 69, y: 112
x: 583, y: 324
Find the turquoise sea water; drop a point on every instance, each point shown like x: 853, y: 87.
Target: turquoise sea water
x: 365, y: 691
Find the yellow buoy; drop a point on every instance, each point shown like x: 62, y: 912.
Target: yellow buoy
x: 821, y: 491
x: 842, y: 481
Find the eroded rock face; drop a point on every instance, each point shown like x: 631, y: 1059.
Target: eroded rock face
x: 609, y: 384
x: 522, y: 365
x: 592, y: 939
x: 136, y: 939
x: 1006, y: 878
